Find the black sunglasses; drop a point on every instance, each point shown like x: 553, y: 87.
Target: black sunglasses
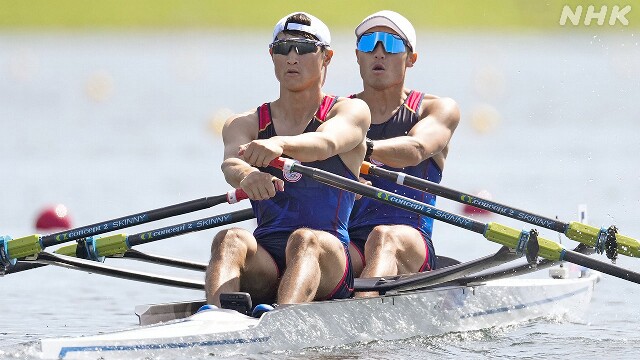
x: 302, y: 46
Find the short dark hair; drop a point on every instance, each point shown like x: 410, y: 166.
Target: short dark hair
x: 301, y: 19
x: 298, y: 18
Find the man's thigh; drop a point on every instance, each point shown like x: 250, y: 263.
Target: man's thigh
x: 410, y: 247
x: 260, y: 277
x: 333, y: 263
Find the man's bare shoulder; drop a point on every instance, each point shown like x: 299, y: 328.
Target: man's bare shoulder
x: 245, y: 120
x: 435, y: 104
x: 428, y: 97
x: 345, y: 99
x: 247, y: 116
x: 351, y: 105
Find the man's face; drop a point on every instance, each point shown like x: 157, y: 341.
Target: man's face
x: 297, y: 70
x: 381, y: 69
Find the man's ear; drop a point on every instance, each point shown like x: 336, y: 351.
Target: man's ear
x: 328, y: 54
x: 411, y: 59
x: 273, y: 60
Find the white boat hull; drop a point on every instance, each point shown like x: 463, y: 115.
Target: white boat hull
x: 394, y: 316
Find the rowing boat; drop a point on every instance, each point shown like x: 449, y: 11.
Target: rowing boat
x: 395, y: 315
x: 459, y: 297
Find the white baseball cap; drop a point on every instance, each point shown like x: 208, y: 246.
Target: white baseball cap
x: 317, y: 27
x: 390, y: 19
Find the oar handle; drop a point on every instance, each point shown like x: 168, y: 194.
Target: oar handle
x: 365, y: 167
x: 281, y: 163
x: 237, y: 195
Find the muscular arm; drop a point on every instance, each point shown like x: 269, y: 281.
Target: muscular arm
x: 344, y: 130
x: 238, y: 130
x: 427, y: 138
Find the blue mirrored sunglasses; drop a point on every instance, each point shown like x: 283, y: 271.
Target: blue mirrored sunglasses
x: 393, y: 44
x: 302, y: 46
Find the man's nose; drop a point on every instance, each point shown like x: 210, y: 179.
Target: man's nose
x: 378, y: 50
x: 292, y: 55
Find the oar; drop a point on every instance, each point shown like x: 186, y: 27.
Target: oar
x: 517, y: 270
x: 119, y: 245
x: 163, y: 260
x: 602, y: 239
x: 424, y: 279
x: 102, y: 269
x: 10, y: 250
x: 501, y: 234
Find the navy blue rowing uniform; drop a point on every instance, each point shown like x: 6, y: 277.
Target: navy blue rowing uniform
x: 368, y: 213
x: 305, y: 202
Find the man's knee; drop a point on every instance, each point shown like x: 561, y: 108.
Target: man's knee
x: 234, y: 238
x: 382, y: 236
x: 302, y: 240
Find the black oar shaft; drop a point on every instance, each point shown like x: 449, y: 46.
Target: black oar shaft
x: 117, y: 244
x: 99, y: 268
x: 464, y: 198
x: 495, y: 232
x: 120, y: 243
x: 583, y: 260
x: 191, y: 226
x: 434, y: 277
x: 19, y: 267
x: 602, y: 239
x: 519, y: 269
x: 12, y: 249
x: 388, y: 197
x: 164, y: 260
x: 132, y: 220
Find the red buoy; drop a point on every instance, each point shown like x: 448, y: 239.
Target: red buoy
x: 53, y: 218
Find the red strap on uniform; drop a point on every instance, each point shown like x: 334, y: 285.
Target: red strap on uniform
x: 264, y: 116
x: 414, y: 99
x: 325, y: 106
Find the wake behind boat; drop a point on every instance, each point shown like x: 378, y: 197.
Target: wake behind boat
x: 396, y: 315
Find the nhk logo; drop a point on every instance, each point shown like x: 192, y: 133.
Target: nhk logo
x: 616, y: 14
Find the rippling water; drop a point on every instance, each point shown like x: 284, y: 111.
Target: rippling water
x: 112, y: 124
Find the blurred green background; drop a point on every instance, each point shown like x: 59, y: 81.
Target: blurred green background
x: 521, y: 15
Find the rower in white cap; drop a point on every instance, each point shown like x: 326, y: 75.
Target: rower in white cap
x: 410, y: 132
x: 299, y: 250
